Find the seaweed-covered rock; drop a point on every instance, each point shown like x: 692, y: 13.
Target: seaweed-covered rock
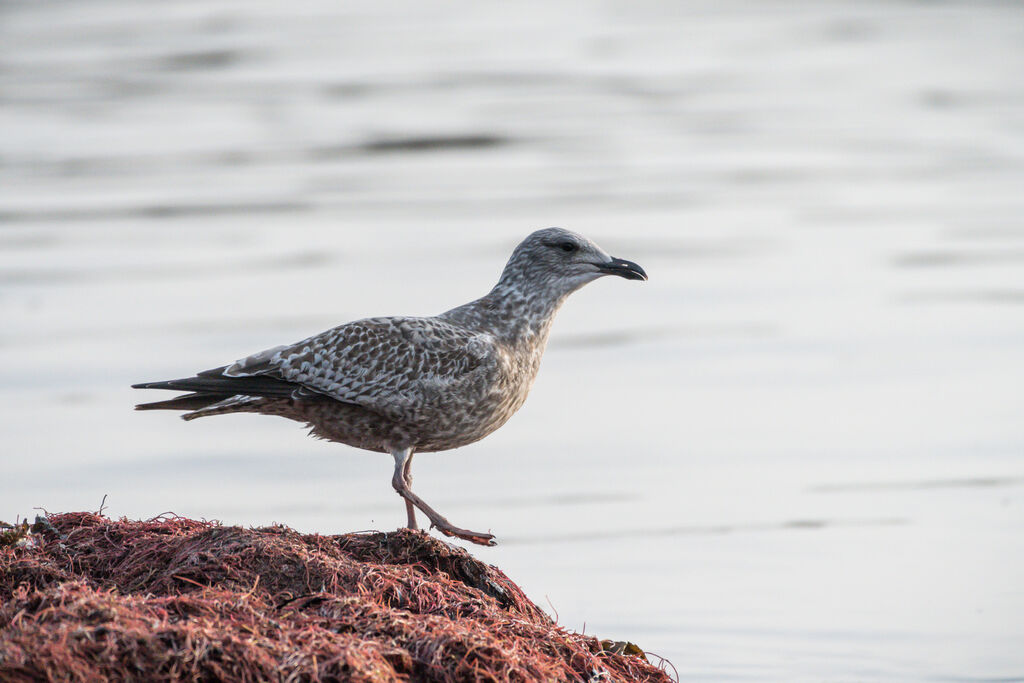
x: 83, y: 597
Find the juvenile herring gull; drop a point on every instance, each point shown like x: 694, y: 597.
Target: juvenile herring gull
x: 400, y: 385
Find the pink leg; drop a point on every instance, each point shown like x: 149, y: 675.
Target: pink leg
x: 400, y: 481
x: 410, y: 509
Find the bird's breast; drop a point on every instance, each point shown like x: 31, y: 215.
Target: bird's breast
x: 482, y: 402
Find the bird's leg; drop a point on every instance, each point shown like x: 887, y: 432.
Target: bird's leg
x: 410, y: 509
x: 401, y: 485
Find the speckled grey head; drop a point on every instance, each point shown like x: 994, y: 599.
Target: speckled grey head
x: 562, y: 261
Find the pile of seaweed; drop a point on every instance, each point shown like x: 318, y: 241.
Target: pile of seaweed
x: 84, y: 597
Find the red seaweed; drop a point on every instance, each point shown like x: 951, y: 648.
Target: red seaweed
x: 85, y: 598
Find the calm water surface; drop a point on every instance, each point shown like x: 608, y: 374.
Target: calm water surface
x: 796, y: 454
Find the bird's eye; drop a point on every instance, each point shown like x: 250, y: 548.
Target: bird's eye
x: 568, y: 246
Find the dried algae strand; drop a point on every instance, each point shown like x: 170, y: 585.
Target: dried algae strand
x: 83, y: 597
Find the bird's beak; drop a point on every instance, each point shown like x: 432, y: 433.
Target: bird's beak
x: 622, y: 268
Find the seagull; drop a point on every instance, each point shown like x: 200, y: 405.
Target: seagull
x: 402, y: 385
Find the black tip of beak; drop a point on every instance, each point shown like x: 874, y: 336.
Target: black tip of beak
x: 623, y: 268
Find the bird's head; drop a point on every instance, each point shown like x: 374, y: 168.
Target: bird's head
x: 564, y: 261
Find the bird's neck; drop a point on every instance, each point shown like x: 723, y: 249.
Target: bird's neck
x: 514, y: 316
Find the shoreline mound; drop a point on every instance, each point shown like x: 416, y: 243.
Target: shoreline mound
x: 84, y: 597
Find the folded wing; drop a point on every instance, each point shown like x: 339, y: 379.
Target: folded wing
x: 382, y: 364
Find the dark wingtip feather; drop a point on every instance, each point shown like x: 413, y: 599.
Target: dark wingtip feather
x: 155, y: 385
x: 227, y: 386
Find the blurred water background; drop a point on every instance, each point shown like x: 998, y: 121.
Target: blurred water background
x: 794, y: 455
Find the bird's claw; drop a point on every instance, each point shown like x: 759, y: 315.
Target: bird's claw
x: 471, y: 536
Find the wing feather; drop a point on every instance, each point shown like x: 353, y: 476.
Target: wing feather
x: 382, y: 364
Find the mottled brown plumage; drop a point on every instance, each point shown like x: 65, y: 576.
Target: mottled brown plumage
x: 403, y: 384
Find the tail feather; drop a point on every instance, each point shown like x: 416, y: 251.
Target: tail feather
x: 186, y: 402
x: 213, y: 393
x: 231, y: 404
